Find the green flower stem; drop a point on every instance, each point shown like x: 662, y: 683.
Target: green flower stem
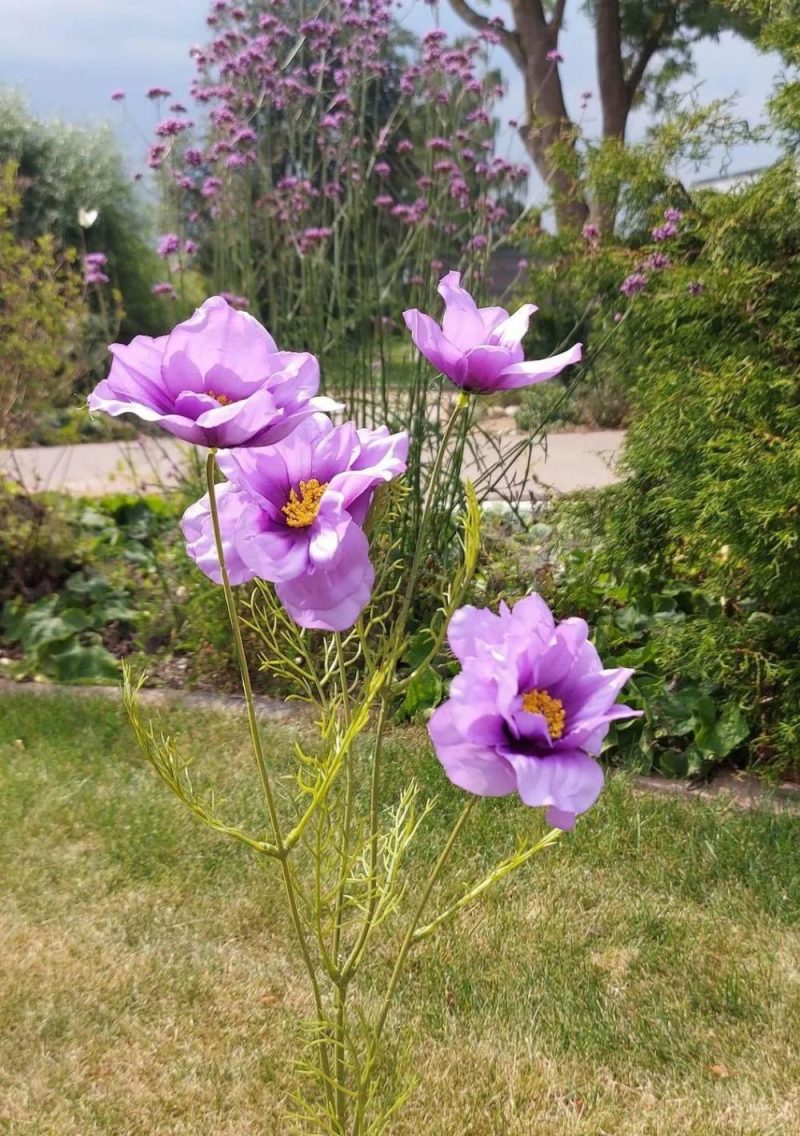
x: 493, y: 877
x: 405, y: 947
x: 424, y: 521
x: 255, y: 736
x: 344, y: 863
x: 241, y: 659
x: 355, y: 955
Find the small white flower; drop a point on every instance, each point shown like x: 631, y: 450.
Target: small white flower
x: 87, y: 217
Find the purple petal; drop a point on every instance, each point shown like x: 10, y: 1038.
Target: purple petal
x: 217, y: 336
x: 486, y: 365
x: 431, y: 342
x: 379, y: 457
x: 135, y: 375
x: 513, y: 330
x: 269, y: 473
x: 295, y: 378
x: 471, y: 630
x: 556, y: 661
x: 560, y: 818
x: 332, y: 600
x: 239, y: 422
x: 270, y: 550
x: 183, y: 428
x: 569, y: 780
x: 593, y: 694
x: 330, y: 531
x: 462, y: 323
x: 478, y: 769
x: 537, y: 370
x: 589, y: 733
x: 491, y: 317
x: 198, y: 530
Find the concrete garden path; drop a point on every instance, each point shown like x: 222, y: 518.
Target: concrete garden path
x: 572, y: 461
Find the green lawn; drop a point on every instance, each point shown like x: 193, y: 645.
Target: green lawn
x: 642, y: 977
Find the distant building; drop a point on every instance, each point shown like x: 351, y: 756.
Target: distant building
x: 726, y: 182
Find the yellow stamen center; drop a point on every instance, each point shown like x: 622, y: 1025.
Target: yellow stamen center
x: 540, y: 702
x: 222, y: 399
x: 301, y: 510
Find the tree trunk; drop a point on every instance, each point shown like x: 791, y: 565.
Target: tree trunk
x: 549, y: 128
x: 615, y: 97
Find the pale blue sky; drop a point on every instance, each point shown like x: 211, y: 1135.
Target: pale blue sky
x: 68, y: 55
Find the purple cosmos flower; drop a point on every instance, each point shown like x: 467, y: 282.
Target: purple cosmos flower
x: 293, y: 513
x: 217, y: 379
x: 117, y: 96
x: 695, y: 288
x: 590, y: 231
x: 554, y: 56
x: 529, y: 710
x: 480, y: 349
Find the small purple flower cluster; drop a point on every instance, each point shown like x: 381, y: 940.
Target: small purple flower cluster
x: 657, y: 261
x: 632, y: 285
x: 93, y: 265
x: 670, y: 227
x: 168, y: 245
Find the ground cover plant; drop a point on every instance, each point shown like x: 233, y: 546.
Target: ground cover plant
x: 642, y: 981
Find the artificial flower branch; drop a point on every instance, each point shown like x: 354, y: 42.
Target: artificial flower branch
x: 305, y: 509
x: 498, y: 873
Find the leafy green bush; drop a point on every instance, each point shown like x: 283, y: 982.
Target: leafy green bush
x: 41, y: 318
x: 690, y: 568
x: 67, y: 169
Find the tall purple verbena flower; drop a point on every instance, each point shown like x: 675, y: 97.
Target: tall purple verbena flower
x: 293, y: 513
x: 218, y: 379
x: 633, y: 284
x: 480, y: 349
x: 168, y: 244
x: 529, y: 710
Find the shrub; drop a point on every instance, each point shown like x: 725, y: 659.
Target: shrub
x: 65, y: 169
x: 694, y: 573
x: 42, y: 318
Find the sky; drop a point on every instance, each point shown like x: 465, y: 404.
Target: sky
x: 66, y: 56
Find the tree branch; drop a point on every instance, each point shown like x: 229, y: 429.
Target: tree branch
x: 557, y: 18
x: 651, y: 45
x: 508, y: 39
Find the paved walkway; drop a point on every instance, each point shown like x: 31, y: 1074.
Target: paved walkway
x: 571, y: 461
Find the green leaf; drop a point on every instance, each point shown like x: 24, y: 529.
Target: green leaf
x: 40, y: 630
x: 84, y: 664
x: 424, y: 692
x: 418, y: 648
x: 723, y: 736
x: 673, y: 763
